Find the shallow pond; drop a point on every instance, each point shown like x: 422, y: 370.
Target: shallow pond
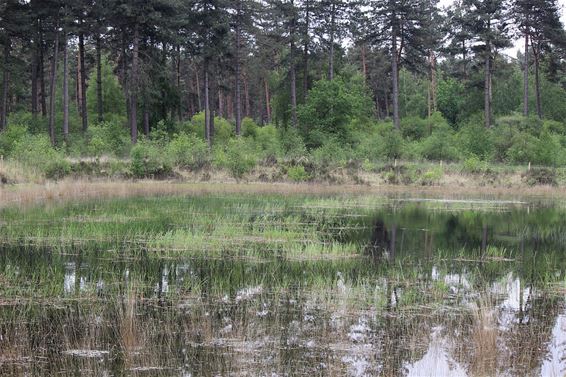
x: 279, y: 285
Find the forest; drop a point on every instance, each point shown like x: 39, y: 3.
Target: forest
x: 159, y: 85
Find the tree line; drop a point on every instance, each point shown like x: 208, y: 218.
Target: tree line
x: 260, y: 58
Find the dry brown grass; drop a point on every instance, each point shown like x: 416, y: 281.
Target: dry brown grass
x: 73, y: 189
x: 484, y: 339
x: 14, y: 172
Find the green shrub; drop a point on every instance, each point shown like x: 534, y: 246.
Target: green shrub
x: 249, y: 128
x: 268, y: 141
x: 330, y: 154
x: 188, y: 151
x: 148, y: 160
x: 10, y: 136
x: 526, y: 148
x: 223, y: 130
x: 531, y: 125
x: 368, y: 146
x: 298, y: 174
x: 34, y: 125
x: 332, y: 109
x: 440, y: 146
x: 474, y: 165
x: 391, y: 145
x: 405, y: 174
x: 432, y: 177
x: 415, y: 128
x: 292, y: 143
x: 106, y: 139
x: 239, y: 156
x: 36, y: 152
x: 555, y: 127
x: 475, y: 140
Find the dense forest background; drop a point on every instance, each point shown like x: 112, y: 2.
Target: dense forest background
x: 241, y: 81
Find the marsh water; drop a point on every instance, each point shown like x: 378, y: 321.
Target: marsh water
x: 281, y: 286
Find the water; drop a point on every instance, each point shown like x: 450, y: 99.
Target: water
x: 321, y: 286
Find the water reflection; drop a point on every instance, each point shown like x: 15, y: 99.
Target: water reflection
x: 432, y: 293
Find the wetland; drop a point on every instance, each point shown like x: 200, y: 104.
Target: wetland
x: 303, y: 284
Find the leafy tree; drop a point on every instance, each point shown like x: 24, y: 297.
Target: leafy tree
x: 334, y: 108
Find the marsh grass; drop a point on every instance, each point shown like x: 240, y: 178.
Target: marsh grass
x: 226, y: 282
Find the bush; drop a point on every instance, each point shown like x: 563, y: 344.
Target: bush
x: 540, y: 176
x: 432, y: 177
x: 392, y: 143
x: 249, y: 128
x: 148, y: 160
x: 439, y: 146
x: 107, y: 139
x: 188, y: 151
x: 298, y: 173
x: 474, y: 165
x: 415, y: 128
x: 475, y: 140
x: 9, y: 137
x: 526, y: 148
x: 555, y: 127
x: 36, y: 152
x: 268, y: 140
x: 223, y: 130
x: 239, y: 156
x: 331, y: 110
x: 531, y: 125
x: 292, y: 143
x: 368, y: 146
x: 329, y: 155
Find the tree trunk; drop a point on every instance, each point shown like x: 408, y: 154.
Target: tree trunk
x: 125, y: 81
x: 306, y: 50
x: 206, y: 107
x: 331, y: 57
x: 198, y: 90
x: 238, y: 70
x: 464, y: 62
x: 221, y: 112
x: 65, y: 87
x: 537, y: 84
x: 99, y: 103
x: 83, y: 80
x: 293, y: 69
x: 146, y: 126
x: 247, y: 97
x: 52, y: 88
x: 34, y: 69
x: 134, y: 87
x: 43, y: 92
x: 78, y: 84
x: 387, y: 109
x: 5, y: 84
x: 267, y: 101
x: 293, y: 97
x: 526, y: 77
x: 180, y: 101
x: 364, y: 62
x: 487, y: 87
x: 433, y: 82
x: 395, y: 79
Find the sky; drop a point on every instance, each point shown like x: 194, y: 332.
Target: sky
x: 518, y: 44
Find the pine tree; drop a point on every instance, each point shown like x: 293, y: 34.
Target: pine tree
x: 399, y: 27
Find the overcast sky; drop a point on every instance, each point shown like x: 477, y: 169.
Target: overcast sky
x: 518, y: 44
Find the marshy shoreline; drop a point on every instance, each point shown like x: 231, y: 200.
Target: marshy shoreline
x: 26, y: 194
